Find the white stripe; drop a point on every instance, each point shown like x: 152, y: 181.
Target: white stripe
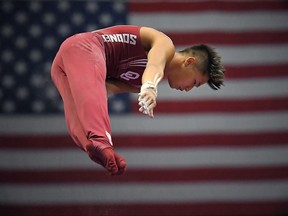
x: 233, y: 89
x: 161, y: 124
x: 140, y: 193
x: 152, y: 158
x: 27, y: 124
x: 212, y: 21
x: 139, y: 62
x: 200, y: 123
x: 138, y: 65
x: 251, y: 54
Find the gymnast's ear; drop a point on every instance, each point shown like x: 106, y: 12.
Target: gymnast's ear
x: 189, y: 61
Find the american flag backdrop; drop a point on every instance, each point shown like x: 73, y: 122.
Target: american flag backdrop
x: 205, y: 153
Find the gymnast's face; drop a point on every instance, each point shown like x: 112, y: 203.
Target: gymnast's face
x: 186, y: 76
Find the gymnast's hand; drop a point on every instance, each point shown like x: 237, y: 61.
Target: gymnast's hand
x: 147, y: 98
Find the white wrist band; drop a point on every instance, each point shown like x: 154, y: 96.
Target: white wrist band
x: 149, y: 85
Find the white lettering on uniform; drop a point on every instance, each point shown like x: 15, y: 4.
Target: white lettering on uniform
x: 105, y: 38
x: 124, y: 38
x: 113, y: 38
x: 119, y: 37
x: 133, y: 39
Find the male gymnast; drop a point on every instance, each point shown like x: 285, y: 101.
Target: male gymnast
x: 118, y: 59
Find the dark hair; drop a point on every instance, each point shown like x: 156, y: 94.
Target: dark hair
x: 209, y: 62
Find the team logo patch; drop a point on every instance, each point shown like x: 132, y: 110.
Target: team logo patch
x: 130, y: 75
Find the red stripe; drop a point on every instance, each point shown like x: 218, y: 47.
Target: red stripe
x: 36, y: 142
x: 145, y: 175
x: 256, y: 71
x: 153, y: 141
x: 186, y: 6
x: 202, y: 140
x: 228, y: 106
x: 252, y: 208
x: 228, y: 38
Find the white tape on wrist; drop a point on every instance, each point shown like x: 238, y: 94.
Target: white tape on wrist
x: 149, y: 85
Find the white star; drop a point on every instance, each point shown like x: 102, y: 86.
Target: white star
x: 36, y: 80
x: 20, y: 67
x: 22, y: 93
x: 38, y: 106
x: 105, y: 19
x: 21, y: 18
x: 21, y: 42
x: 49, y: 18
x: 7, y: 55
x: 8, y: 81
x: 8, y: 106
x: 91, y: 7
x: 35, y: 55
x: 77, y: 18
x: 118, y: 106
x: 35, y: 6
x: 7, y: 30
x: 51, y: 93
x: 63, y: 5
x: 119, y: 7
x: 64, y: 29
x: 35, y: 30
x: 49, y: 42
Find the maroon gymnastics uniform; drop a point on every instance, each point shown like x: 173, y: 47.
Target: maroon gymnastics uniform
x: 125, y: 57
x: 79, y: 70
